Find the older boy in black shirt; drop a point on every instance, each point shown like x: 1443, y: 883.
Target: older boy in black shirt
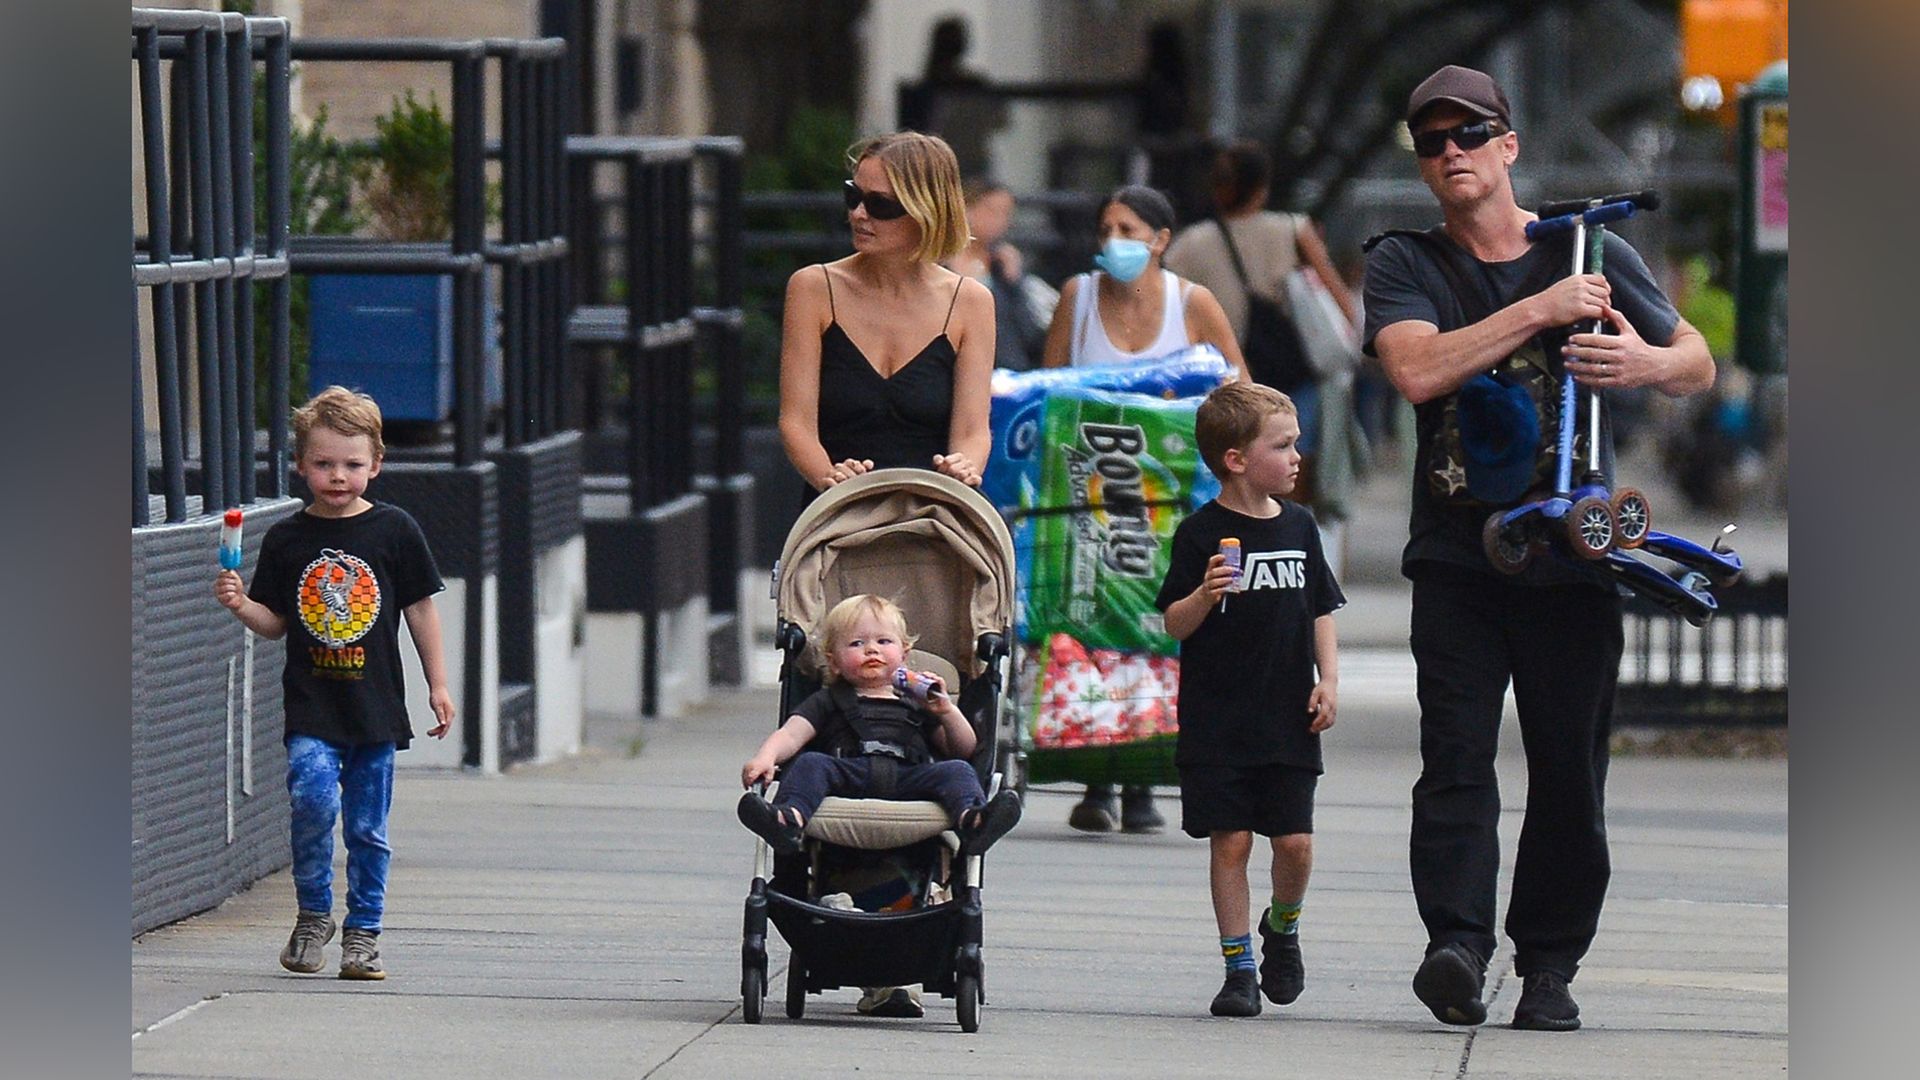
x: 1251, y: 710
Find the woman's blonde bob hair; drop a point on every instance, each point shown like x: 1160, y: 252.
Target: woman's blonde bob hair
x: 926, y: 180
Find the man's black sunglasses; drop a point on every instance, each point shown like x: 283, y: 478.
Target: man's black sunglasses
x: 1465, y: 136
x: 879, y: 207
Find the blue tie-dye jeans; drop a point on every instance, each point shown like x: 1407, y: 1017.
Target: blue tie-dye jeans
x: 355, y: 784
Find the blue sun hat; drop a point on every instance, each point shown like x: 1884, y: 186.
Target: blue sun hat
x: 1500, y: 437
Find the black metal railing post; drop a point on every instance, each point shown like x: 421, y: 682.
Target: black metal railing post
x: 279, y: 67
x: 200, y: 259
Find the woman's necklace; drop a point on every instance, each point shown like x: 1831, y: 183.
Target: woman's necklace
x: 1132, y: 309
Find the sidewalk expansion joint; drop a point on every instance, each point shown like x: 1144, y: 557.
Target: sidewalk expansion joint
x: 181, y: 1014
x: 1466, y: 1048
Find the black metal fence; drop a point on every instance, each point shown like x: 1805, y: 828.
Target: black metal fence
x: 1731, y: 672
x: 530, y: 250
x: 203, y: 254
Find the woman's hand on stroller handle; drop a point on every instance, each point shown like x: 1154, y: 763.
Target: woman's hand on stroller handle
x: 844, y: 471
x: 958, y: 466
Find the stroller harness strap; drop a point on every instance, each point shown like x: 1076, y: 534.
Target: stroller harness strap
x: 888, y: 733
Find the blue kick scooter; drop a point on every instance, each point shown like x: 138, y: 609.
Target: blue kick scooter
x: 1587, y: 523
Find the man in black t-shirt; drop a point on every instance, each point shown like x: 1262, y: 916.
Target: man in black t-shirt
x: 1555, y: 632
x: 1251, y: 708
x: 335, y: 580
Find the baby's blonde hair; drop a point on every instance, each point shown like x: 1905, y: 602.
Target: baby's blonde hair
x: 839, y: 622
x: 339, y: 409
x: 926, y: 180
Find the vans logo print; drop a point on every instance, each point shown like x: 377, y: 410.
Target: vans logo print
x: 1275, y: 570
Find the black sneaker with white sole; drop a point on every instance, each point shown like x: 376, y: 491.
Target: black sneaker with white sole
x: 1449, y: 983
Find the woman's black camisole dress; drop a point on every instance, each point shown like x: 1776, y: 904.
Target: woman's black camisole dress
x: 900, y: 421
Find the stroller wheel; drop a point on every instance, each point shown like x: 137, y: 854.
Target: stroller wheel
x: 1634, y: 517
x: 753, y: 995
x: 966, y: 1001
x: 796, y: 990
x: 1590, y: 527
x: 1508, y: 554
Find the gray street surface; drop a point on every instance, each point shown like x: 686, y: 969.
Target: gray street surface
x: 583, y: 920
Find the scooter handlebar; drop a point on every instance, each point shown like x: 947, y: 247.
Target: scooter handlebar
x: 1647, y: 199
x: 1599, y: 215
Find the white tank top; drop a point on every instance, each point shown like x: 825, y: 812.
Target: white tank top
x: 1092, y: 347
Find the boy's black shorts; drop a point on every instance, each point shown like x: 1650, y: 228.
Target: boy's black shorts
x: 1272, y: 800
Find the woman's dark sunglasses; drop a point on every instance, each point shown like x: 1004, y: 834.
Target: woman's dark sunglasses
x: 1465, y: 136
x: 879, y: 207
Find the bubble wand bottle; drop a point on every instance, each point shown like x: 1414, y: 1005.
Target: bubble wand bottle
x: 1230, y: 550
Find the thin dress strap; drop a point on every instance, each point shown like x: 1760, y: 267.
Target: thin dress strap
x: 831, y: 313
x: 952, y: 303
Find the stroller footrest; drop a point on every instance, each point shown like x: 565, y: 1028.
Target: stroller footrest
x: 877, y: 824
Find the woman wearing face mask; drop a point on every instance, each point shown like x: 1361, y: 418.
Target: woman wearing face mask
x: 1130, y: 310
x: 885, y: 355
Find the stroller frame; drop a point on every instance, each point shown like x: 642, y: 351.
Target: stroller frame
x: 1587, y: 523
x: 937, y: 943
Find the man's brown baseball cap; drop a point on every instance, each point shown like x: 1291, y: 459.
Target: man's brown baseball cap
x: 1472, y: 90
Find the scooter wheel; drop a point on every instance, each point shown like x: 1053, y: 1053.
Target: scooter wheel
x: 1590, y: 527
x: 1509, y: 553
x: 1633, y: 516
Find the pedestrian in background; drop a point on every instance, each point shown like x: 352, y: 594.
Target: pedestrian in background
x: 1248, y: 250
x: 335, y: 579
x: 1127, y: 311
x: 1022, y: 303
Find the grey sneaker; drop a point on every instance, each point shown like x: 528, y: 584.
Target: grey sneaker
x: 306, y: 946
x: 360, y: 955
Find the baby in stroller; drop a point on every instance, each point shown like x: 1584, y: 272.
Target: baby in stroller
x: 880, y: 741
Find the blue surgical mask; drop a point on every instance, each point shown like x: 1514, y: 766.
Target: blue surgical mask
x: 1123, y: 258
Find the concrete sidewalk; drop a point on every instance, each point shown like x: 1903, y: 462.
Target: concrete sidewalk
x: 583, y: 920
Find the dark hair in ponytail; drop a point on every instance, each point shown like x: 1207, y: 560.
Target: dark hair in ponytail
x: 1240, y: 169
x: 1149, y: 203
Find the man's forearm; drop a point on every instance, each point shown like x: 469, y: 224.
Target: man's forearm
x: 1690, y: 363
x: 1424, y: 364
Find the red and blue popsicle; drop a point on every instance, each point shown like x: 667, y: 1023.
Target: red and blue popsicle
x: 231, y: 553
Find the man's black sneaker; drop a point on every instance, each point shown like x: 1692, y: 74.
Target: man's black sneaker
x: 1238, y: 996
x: 1137, y: 814
x: 1449, y: 982
x: 1094, y: 812
x: 1282, y: 973
x: 991, y: 822
x: 758, y: 814
x: 1546, y: 1004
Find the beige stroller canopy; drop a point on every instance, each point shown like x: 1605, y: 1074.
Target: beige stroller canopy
x: 933, y: 545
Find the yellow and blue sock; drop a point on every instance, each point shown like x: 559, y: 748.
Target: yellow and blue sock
x: 1238, y: 952
x: 1284, y: 918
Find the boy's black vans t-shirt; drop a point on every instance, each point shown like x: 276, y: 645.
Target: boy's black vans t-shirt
x: 1247, y: 672
x: 341, y: 585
